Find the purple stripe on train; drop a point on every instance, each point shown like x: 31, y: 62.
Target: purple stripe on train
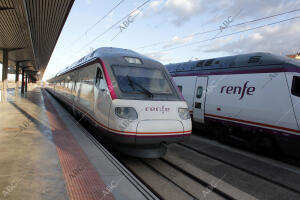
x: 250, y: 71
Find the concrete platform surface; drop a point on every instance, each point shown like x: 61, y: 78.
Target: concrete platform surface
x: 46, y: 154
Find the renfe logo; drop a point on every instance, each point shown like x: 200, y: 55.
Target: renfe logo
x: 238, y: 90
x: 162, y: 109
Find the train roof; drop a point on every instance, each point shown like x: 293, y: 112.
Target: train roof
x: 250, y: 61
x: 104, y: 53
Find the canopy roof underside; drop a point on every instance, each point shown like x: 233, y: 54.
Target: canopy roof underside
x: 30, y: 30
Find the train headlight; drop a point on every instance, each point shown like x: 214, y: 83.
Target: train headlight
x: 126, y: 113
x: 184, y: 113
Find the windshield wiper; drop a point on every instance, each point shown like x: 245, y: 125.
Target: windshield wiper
x: 147, y: 92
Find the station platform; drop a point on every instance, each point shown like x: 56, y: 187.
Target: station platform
x: 46, y: 154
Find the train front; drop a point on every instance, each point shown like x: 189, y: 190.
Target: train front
x: 148, y: 111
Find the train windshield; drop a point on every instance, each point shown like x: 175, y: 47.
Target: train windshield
x: 148, y: 82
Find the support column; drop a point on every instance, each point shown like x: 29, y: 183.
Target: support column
x: 26, y: 81
x: 17, y: 79
x: 23, y: 85
x: 4, y: 74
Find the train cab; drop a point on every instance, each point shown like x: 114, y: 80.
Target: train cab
x: 130, y: 98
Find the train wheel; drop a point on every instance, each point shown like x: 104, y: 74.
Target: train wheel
x: 221, y: 134
x: 266, y: 144
x: 270, y: 145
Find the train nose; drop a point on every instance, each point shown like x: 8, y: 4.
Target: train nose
x: 157, y: 131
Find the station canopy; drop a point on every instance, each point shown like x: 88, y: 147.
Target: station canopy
x: 29, y: 30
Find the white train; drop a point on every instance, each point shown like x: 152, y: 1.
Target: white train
x: 129, y: 98
x: 255, y: 97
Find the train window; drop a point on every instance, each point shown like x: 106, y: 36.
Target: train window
x: 133, y: 60
x: 199, y: 92
x: 74, y: 88
x: 180, y: 88
x: 296, y: 86
x: 98, y: 76
x: 99, y: 80
x: 139, y: 80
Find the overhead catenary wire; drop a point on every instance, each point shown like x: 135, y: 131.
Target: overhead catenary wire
x: 238, y: 32
x: 107, y: 14
x: 115, y: 24
x: 109, y: 28
x: 94, y: 25
x: 126, y: 27
x: 97, y: 22
x: 112, y: 26
x: 217, y: 29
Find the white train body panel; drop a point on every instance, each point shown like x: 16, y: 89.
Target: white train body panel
x: 155, y: 118
x: 295, y: 100
x: 264, y: 105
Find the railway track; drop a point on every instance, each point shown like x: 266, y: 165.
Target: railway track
x: 169, y: 181
x: 244, y: 146
x: 288, y: 176
x: 202, y: 169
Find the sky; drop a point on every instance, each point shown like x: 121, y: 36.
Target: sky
x: 174, y: 30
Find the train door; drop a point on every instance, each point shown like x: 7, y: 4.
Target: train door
x: 101, y: 97
x: 74, y: 85
x: 199, y: 99
x: 294, y: 82
x: 78, y: 87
